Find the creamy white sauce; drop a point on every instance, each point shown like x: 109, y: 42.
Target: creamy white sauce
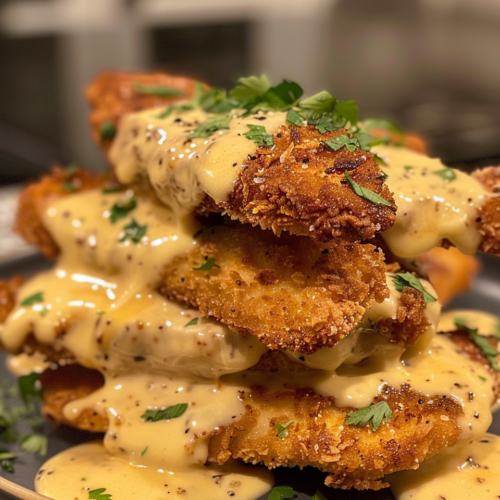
x: 182, y: 171
x: 467, y: 472
x: 430, y: 208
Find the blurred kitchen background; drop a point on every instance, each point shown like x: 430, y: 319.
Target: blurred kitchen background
x: 429, y: 65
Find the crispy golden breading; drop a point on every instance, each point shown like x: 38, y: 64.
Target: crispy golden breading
x: 286, y: 291
x: 34, y: 198
x: 450, y: 271
x: 302, y: 188
x: 489, y: 213
x: 8, y: 295
x: 111, y: 95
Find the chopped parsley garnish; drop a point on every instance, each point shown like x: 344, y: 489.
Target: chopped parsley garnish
x: 206, y: 266
x: 251, y: 86
x: 166, y: 414
x: 373, y: 414
x: 365, y: 193
x: 351, y: 143
x: 32, y: 299
x: 293, y: 117
x: 258, y: 134
x: 99, y: 494
x: 69, y: 186
x: 43, y: 312
x: 29, y: 387
x: 193, y: 322
x: 209, y: 127
x: 483, y: 379
x: 108, y: 131
x: 157, y: 90
x: 401, y: 280
x: 176, y: 107
x: 482, y: 342
x: 379, y: 160
x: 100, y: 313
x: 121, y: 209
x: 34, y: 443
x: 283, y: 429
x: 408, y: 168
x: 110, y: 190
x: 349, y: 110
x: 281, y: 493
x: 448, y: 174
x: 134, y: 232
x: 144, y: 451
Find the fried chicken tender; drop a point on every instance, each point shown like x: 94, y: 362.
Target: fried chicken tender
x: 304, y: 190
x: 111, y: 95
x: 8, y: 294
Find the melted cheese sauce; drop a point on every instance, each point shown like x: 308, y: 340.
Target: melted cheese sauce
x: 486, y: 323
x: 99, y: 305
x: 430, y: 208
x: 468, y: 472
x: 182, y: 170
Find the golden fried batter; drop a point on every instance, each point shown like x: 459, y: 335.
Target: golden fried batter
x: 285, y: 290
x: 8, y: 294
x: 111, y: 95
x: 303, y: 189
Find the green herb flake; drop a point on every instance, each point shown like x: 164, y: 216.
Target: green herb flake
x: 121, y: 209
x: 281, y: 493
x: 144, y: 451
x: 293, y: 117
x: 320, y: 103
x: 351, y: 143
x: 133, y: 231
x: 408, y: 168
x: 365, y: 193
x: 448, y: 174
x: 99, y: 494
x: 248, y: 87
x: 379, y: 160
x: 43, y: 312
x: 100, y: 313
x: 212, y: 125
x: 401, y: 280
x: 108, y: 131
x: 483, y: 379
x: 166, y: 414
x: 283, y: 429
x: 258, y: 134
x: 34, y: 443
x: 69, y: 187
x: 349, y: 110
x: 206, y: 266
x: 32, y: 299
x: 373, y: 414
x: 193, y: 322
x: 318, y: 496
x: 157, y: 90
x: 481, y: 341
x: 7, y: 466
x: 176, y: 107
x: 111, y: 190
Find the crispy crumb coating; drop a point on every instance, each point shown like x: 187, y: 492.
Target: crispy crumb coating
x: 298, y: 185
x: 285, y: 290
x: 112, y: 94
x: 489, y: 213
x: 8, y: 295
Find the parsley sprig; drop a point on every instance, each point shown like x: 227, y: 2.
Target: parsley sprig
x: 207, y: 265
x: 169, y: 413
x: 121, y: 209
x: 281, y: 493
x: 373, y: 414
x: 98, y: 494
x: 365, y: 193
x: 482, y: 342
x: 283, y: 429
x: 401, y: 280
x: 258, y: 134
x: 134, y: 232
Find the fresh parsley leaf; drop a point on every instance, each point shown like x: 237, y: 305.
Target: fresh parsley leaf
x: 250, y: 87
x: 281, y: 493
x: 318, y: 496
x: 207, y: 265
x: 193, y: 322
x: 121, y: 209
x: 7, y: 466
x: 381, y: 123
x: 99, y: 494
x: 209, y: 127
x: 379, y: 160
x: 134, y: 232
x: 365, y: 193
x: 351, y: 143
x: 283, y: 429
x: 176, y: 107
x: 258, y: 134
x: 44, y: 312
x: 293, y: 117
x: 169, y: 413
x: 373, y: 414
x: 32, y: 299
x: 100, y: 313
x: 365, y: 140
x: 482, y: 342
x: 157, y: 90
x: 279, y: 98
x: 69, y: 187
x: 448, y: 174
x: 108, y: 131
x: 401, y: 280
x: 29, y: 387
x: 144, y: 451
x: 408, y: 168
x: 215, y: 100
x: 319, y: 104
x: 34, y: 443
x: 483, y: 379
x: 349, y: 110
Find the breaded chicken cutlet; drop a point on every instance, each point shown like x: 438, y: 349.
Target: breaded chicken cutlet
x: 272, y: 328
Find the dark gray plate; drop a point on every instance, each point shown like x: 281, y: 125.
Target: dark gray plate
x: 484, y: 296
